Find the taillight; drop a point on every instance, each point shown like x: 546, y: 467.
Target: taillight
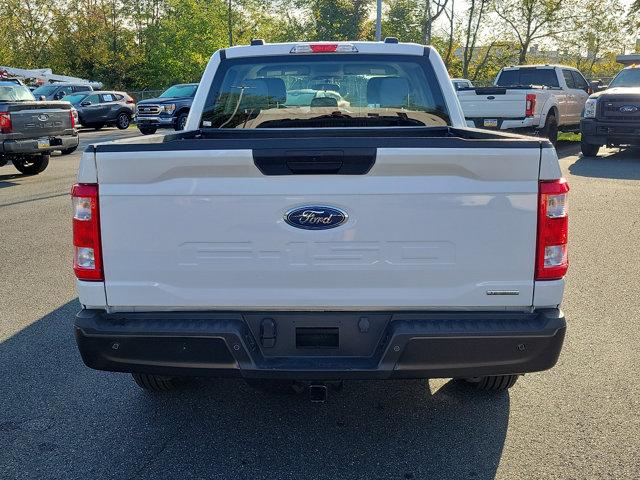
x: 530, y: 105
x: 5, y: 122
x: 87, y: 255
x: 553, y: 223
x: 72, y: 117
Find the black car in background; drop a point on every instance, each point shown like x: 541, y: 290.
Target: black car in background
x: 102, y: 108
x: 55, y: 91
x: 169, y: 110
x: 611, y: 117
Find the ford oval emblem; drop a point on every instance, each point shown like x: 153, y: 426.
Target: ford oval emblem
x: 628, y: 109
x: 315, y: 217
x: 43, y: 117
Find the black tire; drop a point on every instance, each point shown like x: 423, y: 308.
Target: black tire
x: 550, y: 129
x: 147, y: 130
x: 493, y: 383
x: 181, y: 122
x: 123, y: 121
x: 154, y: 383
x: 589, y: 149
x: 69, y: 150
x: 32, y: 165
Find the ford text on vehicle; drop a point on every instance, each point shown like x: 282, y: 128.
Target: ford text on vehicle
x: 30, y: 130
x: 366, y: 234
x: 529, y: 99
x: 612, y: 116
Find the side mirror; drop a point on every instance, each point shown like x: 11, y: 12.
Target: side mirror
x: 42, y: 98
x: 86, y: 103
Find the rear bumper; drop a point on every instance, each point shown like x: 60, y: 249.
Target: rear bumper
x: 597, y: 132
x: 407, y: 345
x: 30, y: 146
x: 528, y: 124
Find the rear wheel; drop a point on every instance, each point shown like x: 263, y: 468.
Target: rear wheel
x: 493, y: 383
x: 32, y: 165
x: 147, y: 130
x: 123, y: 121
x: 550, y: 129
x: 588, y: 149
x: 154, y: 383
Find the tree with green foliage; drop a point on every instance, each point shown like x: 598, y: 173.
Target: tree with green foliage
x: 531, y: 20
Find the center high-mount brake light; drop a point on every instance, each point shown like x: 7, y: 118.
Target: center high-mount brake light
x: 5, y: 122
x: 553, y: 223
x: 87, y: 254
x: 324, y: 48
x: 530, y: 105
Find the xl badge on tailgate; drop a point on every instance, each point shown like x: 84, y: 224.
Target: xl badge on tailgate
x: 315, y: 217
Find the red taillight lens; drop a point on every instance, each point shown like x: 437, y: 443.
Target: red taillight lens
x: 323, y: 47
x: 87, y: 254
x: 72, y: 118
x: 530, y: 106
x: 553, y: 223
x: 5, y: 122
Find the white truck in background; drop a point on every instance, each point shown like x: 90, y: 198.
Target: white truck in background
x: 536, y: 99
x: 276, y: 241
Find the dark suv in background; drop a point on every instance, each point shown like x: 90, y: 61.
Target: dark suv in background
x: 611, y: 117
x: 102, y: 108
x: 169, y: 110
x: 55, y: 91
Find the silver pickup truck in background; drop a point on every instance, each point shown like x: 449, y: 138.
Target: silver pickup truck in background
x: 31, y: 130
x: 538, y: 99
x: 363, y: 233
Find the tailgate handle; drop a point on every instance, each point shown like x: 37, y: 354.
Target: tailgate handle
x: 310, y: 163
x: 345, y: 161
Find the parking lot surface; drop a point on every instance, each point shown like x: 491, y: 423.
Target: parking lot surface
x: 60, y: 420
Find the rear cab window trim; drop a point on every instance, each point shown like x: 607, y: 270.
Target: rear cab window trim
x: 550, y: 82
x: 433, y: 89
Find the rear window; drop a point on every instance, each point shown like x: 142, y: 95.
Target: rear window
x: 528, y: 76
x: 15, y: 93
x: 627, y: 78
x: 316, y: 91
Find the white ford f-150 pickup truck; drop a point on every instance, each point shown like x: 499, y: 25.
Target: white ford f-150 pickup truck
x: 364, y: 234
x: 539, y: 99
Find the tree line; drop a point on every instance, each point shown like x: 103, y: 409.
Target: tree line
x: 147, y: 44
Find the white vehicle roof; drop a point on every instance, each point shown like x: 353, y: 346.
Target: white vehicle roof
x: 360, y: 47
x: 517, y: 67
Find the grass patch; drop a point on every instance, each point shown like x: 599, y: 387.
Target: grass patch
x: 568, y: 137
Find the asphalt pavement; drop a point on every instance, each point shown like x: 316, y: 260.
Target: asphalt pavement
x: 580, y: 420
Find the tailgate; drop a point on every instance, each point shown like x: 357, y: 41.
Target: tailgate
x: 426, y: 227
x: 493, y: 103
x: 39, y: 119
